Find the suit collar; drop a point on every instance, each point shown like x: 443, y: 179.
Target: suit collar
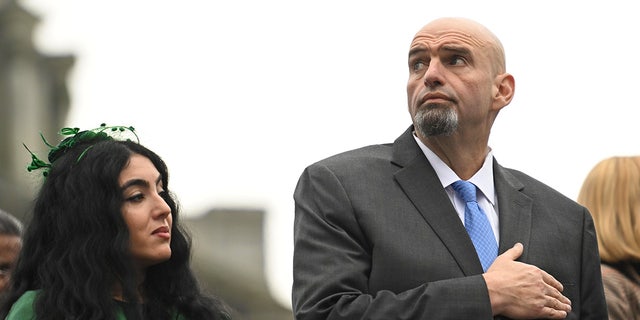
x: 420, y: 183
x: 514, y: 209
x: 482, y: 179
x: 418, y: 180
x: 405, y: 149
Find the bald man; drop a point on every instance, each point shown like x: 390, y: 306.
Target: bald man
x: 381, y: 232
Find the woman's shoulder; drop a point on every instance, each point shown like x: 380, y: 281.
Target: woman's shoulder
x: 609, y: 271
x: 621, y: 273
x: 622, y: 293
x: 22, y: 309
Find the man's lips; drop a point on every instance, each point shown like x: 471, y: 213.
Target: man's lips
x: 434, y: 97
x: 162, y: 232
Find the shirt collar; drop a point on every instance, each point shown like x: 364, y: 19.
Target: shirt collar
x: 483, y: 179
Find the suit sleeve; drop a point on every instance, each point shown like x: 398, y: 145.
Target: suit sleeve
x: 332, y: 261
x: 593, y: 303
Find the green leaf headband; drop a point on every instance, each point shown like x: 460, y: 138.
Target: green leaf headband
x: 75, y: 136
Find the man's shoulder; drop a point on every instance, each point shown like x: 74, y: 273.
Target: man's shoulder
x: 537, y: 189
x: 356, y: 163
x: 379, y: 154
x: 367, y: 153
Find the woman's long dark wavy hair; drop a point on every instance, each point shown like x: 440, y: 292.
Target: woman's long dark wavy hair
x: 76, y: 245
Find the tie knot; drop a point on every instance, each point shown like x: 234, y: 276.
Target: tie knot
x: 465, y: 189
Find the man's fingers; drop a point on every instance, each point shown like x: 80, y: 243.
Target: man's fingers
x: 558, y: 305
x: 552, y: 313
x: 514, y: 253
x: 556, y: 296
x: 550, y: 280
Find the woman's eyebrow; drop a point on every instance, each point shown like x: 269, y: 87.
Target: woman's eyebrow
x: 134, y: 182
x: 139, y: 182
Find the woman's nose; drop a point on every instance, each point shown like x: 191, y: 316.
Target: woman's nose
x: 162, y: 207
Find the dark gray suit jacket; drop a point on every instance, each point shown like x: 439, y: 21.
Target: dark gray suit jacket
x: 376, y: 237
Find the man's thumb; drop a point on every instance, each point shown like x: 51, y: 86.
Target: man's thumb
x: 515, y: 252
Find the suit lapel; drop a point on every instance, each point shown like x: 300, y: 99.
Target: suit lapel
x: 514, y: 209
x: 420, y: 183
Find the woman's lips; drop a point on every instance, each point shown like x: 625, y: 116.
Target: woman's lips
x: 162, y: 232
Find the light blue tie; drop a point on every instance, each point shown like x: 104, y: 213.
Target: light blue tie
x: 477, y: 224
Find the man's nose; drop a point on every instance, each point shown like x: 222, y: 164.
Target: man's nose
x: 433, y: 74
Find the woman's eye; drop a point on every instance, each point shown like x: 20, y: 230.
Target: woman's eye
x: 136, y: 198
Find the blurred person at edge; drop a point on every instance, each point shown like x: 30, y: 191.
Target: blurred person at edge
x: 10, y: 245
x: 611, y: 192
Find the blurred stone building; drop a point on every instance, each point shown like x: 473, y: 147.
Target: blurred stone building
x: 228, y: 254
x: 33, y: 98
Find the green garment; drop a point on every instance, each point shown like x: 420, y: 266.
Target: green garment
x: 23, y: 309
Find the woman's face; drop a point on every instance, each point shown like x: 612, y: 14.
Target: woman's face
x: 146, y: 213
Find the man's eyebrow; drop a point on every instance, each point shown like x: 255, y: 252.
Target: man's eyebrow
x: 417, y: 50
x: 456, y: 49
x: 446, y: 48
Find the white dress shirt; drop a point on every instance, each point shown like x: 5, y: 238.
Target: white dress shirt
x: 483, y: 180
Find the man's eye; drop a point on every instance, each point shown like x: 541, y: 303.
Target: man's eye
x: 457, y: 61
x: 5, y: 269
x: 419, y: 65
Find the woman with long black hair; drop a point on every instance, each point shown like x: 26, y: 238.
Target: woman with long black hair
x: 105, y: 239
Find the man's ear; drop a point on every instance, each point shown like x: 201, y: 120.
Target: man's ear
x: 506, y: 86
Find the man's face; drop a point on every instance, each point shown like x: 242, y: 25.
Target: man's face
x: 451, y: 78
x: 10, y: 246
